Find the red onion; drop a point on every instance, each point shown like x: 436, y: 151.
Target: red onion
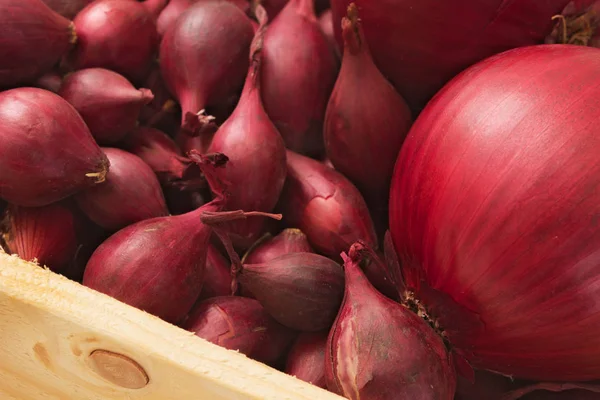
x: 201, y: 62
x: 131, y: 193
x: 257, y: 154
x: 67, y: 8
x: 325, y: 206
x: 421, y: 45
x: 578, y: 24
x: 326, y: 25
x: 290, y: 240
x: 108, y: 103
x: 493, y: 211
x: 217, y: 280
x: 302, y: 291
x: 51, y: 235
x: 298, y: 75
x: 33, y: 38
x: 238, y: 323
x: 158, y: 265
x: 117, y: 35
x: 161, y: 153
x: 379, y: 349
x: 366, y: 120
x: 306, y: 359
x: 175, y: 8
x: 51, y: 81
x: 59, y: 160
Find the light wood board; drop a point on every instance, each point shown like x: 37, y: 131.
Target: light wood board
x: 49, y: 326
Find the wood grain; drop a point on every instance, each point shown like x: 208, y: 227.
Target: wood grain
x: 49, y: 326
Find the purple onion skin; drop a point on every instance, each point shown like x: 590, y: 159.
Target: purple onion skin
x: 62, y: 157
x: 201, y: 62
x: 156, y: 265
x: 239, y: 323
x: 108, y: 103
x: 288, y: 241
x: 217, y: 280
x: 117, y: 35
x: 294, y: 99
x: 131, y: 193
x: 67, y: 8
x: 302, y: 291
x: 33, y: 38
x: 306, y: 359
x: 378, y: 349
x: 325, y: 205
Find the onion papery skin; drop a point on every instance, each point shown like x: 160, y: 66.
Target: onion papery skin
x: 366, y: 120
x: 299, y: 72
x: 202, y: 63
x: 493, y: 211
x: 324, y: 205
x: 108, y: 103
x: 33, y: 38
x: 419, y: 47
x: 60, y: 159
x: 131, y: 193
x: 117, y: 35
x: 67, y: 8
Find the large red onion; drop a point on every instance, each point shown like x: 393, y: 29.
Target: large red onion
x: 108, y: 103
x: 131, y: 193
x: 302, y: 291
x: 202, y: 63
x: 298, y: 75
x: 366, y: 120
x: 380, y: 350
x: 257, y: 153
x: 420, y: 45
x: 493, y: 210
x: 67, y: 8
x: 33, y: 38
x: 242, y: 324
x: 46, y: 151
x: 117, y: 35
x: 324, y: 205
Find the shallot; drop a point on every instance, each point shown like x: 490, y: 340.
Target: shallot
x: 46, y: 151
x: 241, y: 324
x: 202, y: 62
x: 302, y: 291
x: 108, y: 103
x: 130, y: 193
x: 117, y: 35
x: 33, y: 39
x: 290, y: 240
x: 324, y: 205
x: 298, y: 75
x: 379, y: 349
